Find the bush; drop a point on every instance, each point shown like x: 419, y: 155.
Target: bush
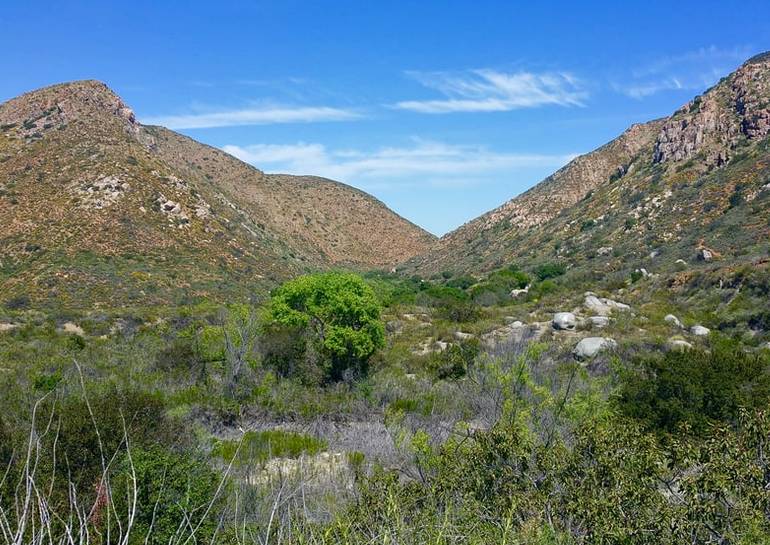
x: 334, y: 316
x: 453, y: 362
x: 171, y: 486
x: 695, y: 388
x: 550, y: 270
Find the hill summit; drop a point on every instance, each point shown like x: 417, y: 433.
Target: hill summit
x: 98, y: 209
x: 688, y: 187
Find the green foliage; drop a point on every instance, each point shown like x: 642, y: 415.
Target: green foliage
x: 172, y: 487
x: 453, y: 362
x: 550, y: 270
x: 337, y: 313
x: 259, y: 446
x: 694, y: 389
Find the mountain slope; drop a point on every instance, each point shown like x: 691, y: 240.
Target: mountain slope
x: 674, y: 186
x: 99, y: 210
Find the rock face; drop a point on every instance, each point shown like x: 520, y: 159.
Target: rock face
x: 715, y: 123
x: 591, y: 346
x: 658, y: 184
x: 564, y: 321
x: 700, y: 331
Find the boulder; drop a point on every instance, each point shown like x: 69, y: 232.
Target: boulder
x: 700, y: 331
x: 677, y: 345
x: 603, y: 306
x: 599, y: 322
x: 680, y: 262
x: 673, y: 320
x: 705, y: 255
x: 590, y: 346
x: 519, y: 292
x: 461, y: 336
x: 564, y: 321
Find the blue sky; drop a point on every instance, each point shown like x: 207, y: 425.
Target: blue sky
x: 442, y: 109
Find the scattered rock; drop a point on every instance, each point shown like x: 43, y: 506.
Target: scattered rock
x: 602, y: 306
x: 72, y: 328
x: 564, y: 321
x: 394, y: 326
x: 103, y: 192
x: 700, y: 331
x: 677, y: 345
x: 654, y: 254
x: 590, y: 346
x: 460, y: 336
x: 673, y: 320
x: 429, y: 346
x: 599, y: 322
x: 604, y: 251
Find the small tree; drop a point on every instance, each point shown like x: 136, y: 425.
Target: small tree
x: 330, y: 320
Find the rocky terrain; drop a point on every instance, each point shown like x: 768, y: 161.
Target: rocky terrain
x: 691, y: 187
x: 98, y: 210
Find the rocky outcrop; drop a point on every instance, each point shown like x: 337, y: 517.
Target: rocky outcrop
x: 590, y: 347
x: 714, y: 124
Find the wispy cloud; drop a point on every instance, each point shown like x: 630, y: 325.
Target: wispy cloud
x: 266, y: 115
x: 689, y: 71
x: 493, y: 91
x: 434, y: 163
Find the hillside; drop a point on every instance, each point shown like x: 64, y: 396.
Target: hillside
x: 662, y: 191
x: 98, y: 210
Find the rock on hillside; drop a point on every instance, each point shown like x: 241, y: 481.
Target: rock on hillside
x: 99, y: 210
x: 669, y: 188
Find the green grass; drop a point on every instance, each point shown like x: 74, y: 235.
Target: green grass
x: 259, y: 446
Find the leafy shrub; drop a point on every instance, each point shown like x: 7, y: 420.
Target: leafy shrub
x: 172, y: 487
x: 695, y: 388
x: 550, y: 270
x: 337, y: 313
x: 461, y: 282
x: 453, y: 362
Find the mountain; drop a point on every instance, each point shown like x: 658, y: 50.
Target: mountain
x: 693, y: 186
x: 99, y: 210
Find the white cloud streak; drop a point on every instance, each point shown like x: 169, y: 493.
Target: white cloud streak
x: 493, y: 91
x: 254, y: 116
x: 690, y: 71
x: 428, y: 162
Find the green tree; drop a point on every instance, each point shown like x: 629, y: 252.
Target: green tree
x: 334, y: 316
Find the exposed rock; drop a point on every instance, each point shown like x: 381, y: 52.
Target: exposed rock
x: 430, y: 346
x: 519, y: 292
x: 103, y: 192
x: 680, y: 262
x: 705, y: 255
x: 461, y: 336
x: 590, y: 346
x: 700, y: 331
x: 394, y: 326
x: 72, y: 328
x: 514, y: 333
x: 564, y: 321
x: 604, y: 251
x: 6, y: 326
x: 673, y: 320
x: 677, y: 344
x: 603, y: 306
x: 599, y: 322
